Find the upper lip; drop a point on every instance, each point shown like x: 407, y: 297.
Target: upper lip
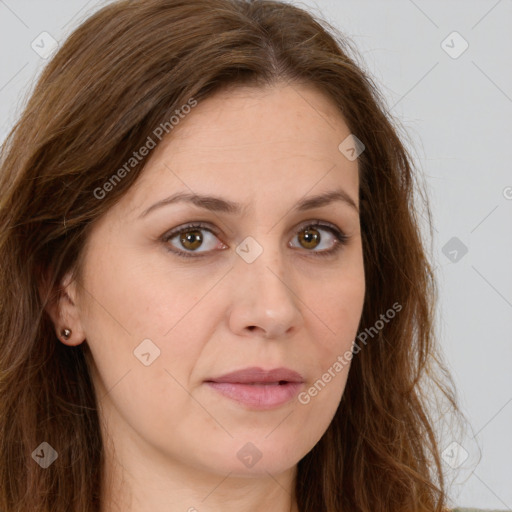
x: 256, y: 375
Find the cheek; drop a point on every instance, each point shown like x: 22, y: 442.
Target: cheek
x: 339, y: 307
x: 137, y: 295
x: 134, y: 308
x: 338, y: 304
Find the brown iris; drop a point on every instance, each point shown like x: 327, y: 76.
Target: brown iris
x: 192, y: 237
x: 311, y: 238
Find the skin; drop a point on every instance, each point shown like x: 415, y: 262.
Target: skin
x: 171, y: 441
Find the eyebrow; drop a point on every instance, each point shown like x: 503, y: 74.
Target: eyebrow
x: 217, y: 204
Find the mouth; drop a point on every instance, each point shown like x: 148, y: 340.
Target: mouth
x: 259, y: 389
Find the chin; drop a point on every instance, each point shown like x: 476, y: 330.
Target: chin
x: 245, y: 458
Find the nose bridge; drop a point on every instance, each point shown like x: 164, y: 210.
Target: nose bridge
x: 261, y: 260
x: 265, y: 297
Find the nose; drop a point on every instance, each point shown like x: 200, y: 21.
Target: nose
x: 265, y: 303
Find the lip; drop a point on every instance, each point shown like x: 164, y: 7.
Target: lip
x: 256, y: 375
x: 257, y: 388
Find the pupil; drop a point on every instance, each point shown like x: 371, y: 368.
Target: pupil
x: 310, y: 237
x: 193, y: 238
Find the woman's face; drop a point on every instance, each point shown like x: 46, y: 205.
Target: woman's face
x: 165, y: 314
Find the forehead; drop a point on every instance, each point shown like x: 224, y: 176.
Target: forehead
x: 245, y: 120
x: 252, y: 143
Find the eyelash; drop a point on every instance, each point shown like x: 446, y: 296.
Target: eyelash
x: 341, y: 238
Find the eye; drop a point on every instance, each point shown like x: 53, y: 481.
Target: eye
x: 310, y: 237
x: 191, y: 238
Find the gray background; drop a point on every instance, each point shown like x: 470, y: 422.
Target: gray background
x: 456, y: 113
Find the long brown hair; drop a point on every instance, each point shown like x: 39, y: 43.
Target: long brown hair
x: 123, y: 72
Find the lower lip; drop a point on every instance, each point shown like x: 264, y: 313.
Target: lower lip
x: 258, y: 396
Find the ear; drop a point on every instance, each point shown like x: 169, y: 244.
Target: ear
x: 62, y: 307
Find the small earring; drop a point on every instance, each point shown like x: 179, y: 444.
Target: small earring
x: 66, y: 333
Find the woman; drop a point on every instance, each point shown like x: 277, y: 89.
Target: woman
x: 215, y: 295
